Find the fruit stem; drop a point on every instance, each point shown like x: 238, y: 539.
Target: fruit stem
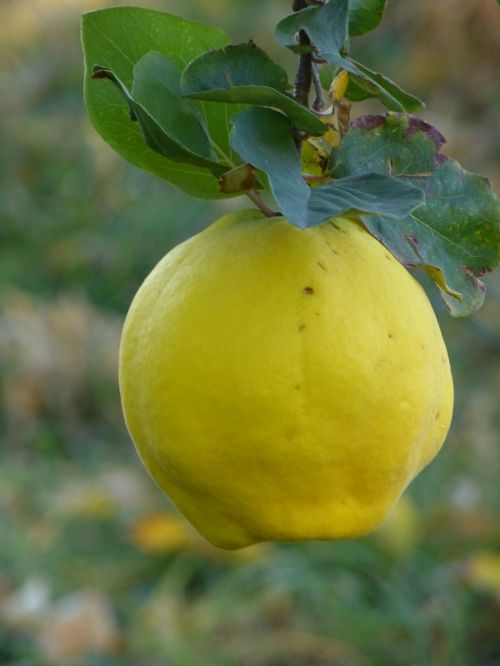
x: 261, y: 204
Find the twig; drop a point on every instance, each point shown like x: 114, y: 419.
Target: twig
x: 318, y: 102
x: 303, y: 78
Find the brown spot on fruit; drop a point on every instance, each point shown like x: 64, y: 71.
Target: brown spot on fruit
x: 308, y: 290
x: 321, y: 265
x: 390, y: 335
x: 302, y: 327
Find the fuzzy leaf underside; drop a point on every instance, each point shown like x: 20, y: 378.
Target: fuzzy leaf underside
x: 365, y: 192
x: 327, y: 28
x: 245, y: 74
x: 265, y: 139
x: 326, y: 25
x: 117, y: 39
x: 454, y: 236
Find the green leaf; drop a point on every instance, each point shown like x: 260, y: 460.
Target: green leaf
x: 235, y: 65
x: 264, y: 138
x: 158, y: 136
x: 327, y: 28
x: 117, y: 39
x: 360, y: 88
x: 455, y: 235
x: 245, y: 74
x: 156, y: 88
x: 365, y: 15
x: 390, y: 94
x: 395, y: 144
x: 370, y: 192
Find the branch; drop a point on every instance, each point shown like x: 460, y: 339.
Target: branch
x: 318, y: 102
x: 303, y: 78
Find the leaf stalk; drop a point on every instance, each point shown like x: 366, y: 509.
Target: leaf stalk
x: 261, y: 204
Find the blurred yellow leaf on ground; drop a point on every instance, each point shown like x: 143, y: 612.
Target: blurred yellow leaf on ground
x: 483, y: 571
x: 160, y: 533
x: 401, y: 532
x: 164, y: 532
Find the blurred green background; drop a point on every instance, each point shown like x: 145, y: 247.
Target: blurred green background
x: 95, y: 567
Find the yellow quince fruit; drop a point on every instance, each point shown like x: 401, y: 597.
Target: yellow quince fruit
x: 283, y: 384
